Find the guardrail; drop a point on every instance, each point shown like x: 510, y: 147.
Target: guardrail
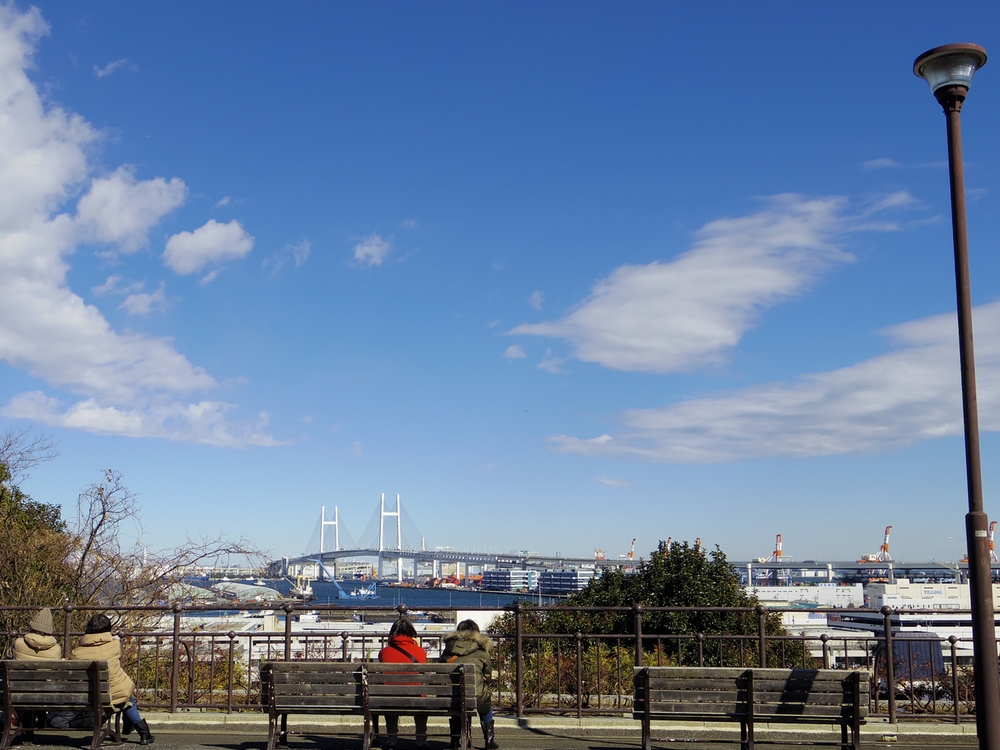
x: 184, y: 658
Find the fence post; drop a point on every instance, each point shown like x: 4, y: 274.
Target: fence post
x: 579, y: 674
x: 762, y: 635
x: 953, y: 640
x: 700, y: 638
x: 288, y: 632
x: 343, y: 645
x: 519, y: 659
x: 67, y: 627
x: 890, y: 667
x: 826, y: 650
x: 232, y: 670
x: 637, y: 612
x: 175, y: 674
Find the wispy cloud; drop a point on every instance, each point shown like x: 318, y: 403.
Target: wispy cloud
x: 292, y: 254
x: 887, y: 402
x: 551, y: 363
x: 409, y: 224
x: 536, y: 299
x: 111, y: 67
x: 514, y: 351
x: 372, y: 250
x: 143, y: 303
x: 613, y: 482
x: 688, y: 312
x: 112, y: 383
x: 880, y: 164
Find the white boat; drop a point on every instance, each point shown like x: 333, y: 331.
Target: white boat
x: 368, y: 592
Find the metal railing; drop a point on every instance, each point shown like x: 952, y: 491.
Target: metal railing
x: 181, y: 662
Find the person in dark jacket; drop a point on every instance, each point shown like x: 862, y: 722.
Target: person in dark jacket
x: 402, y: 648
x: 468, y: 646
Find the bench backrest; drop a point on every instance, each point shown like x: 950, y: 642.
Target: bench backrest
x: 312, y: 685
x: 831, y: 695
x: 317, y: 686
x: 432, y: 688
x: 42, y: 685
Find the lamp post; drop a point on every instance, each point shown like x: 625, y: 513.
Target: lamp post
x: 949, y: 71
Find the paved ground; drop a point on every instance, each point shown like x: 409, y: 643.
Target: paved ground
x: 249, y: 732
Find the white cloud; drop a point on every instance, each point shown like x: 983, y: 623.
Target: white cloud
x: 126, y: 383
x: 880, y: 164
x: 372, y: 250
x: 551, y: 363
x: 613, y: 482
x: 113, y: 285
x: 143, y: 303
x: 887, y: 402
x: 409, y: 224
x: 118, y: 209
x: 356, y: 450
x: 536, y: 299
x: 686, y: 313
x: 223, y: 201
x: 514, y: 351
x: 111, y: 67
x: 294, y: 254
x: 189, y: 252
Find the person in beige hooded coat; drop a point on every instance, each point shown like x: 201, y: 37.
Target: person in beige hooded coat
x: 38, y: 644
x: 98, y: 644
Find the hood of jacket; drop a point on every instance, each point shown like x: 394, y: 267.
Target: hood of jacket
x: 96, y: 639
x: 39, y: 642
x: 465, y: 642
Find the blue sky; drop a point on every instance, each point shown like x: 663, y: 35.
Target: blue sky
x: 559, y: 274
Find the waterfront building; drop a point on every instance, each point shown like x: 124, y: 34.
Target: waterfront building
x: 508, y: 579
x: 567, y: 581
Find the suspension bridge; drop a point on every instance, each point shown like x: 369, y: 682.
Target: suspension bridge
x: 393, y: 540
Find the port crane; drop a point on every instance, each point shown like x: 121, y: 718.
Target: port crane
x: 883, y: 552
x: 777, y: 555
x: 599, y: 554
x: 631, y: 553
x: 993, y: 528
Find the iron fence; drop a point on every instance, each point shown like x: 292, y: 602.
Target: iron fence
x: 186, y: 658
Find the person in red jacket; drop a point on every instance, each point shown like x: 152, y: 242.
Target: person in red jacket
x: 404, y: 649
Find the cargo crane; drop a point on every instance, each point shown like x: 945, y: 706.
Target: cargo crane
x: 599, y: 554
x: 883, y: 552
x: 697, y: 543
x: 993, y: 528
x: 777, y: 555
x: 631, y: 553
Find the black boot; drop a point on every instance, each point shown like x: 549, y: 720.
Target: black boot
x: 126, y: 724
x: 145, y: 737
x: 488, y: 735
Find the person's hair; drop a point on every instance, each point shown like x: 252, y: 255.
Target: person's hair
x: 98, y: 624
x: 468, y: 625
x: 402, y: 626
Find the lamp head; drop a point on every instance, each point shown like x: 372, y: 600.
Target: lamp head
x: 950, y: 65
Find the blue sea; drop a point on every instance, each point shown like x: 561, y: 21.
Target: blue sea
x: 325, y: 592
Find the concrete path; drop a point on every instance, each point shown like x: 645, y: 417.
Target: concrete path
x: 205, y: 731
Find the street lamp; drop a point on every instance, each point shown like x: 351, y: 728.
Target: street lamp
x: 949, y: 71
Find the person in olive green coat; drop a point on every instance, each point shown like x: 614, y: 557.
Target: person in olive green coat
x: 98, y: 644
x: 38, y: 644
x: 468, y: 646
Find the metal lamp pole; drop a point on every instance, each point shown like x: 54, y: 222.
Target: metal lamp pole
x: 949, y: 71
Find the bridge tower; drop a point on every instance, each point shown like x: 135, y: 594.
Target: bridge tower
x: 323, y: 523
x: 398, y: 515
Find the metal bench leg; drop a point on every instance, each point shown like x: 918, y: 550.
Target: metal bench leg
x: 283, y: 734
x: 272, y: 731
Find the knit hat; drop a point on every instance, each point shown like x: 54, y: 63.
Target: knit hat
x: 42, y: 622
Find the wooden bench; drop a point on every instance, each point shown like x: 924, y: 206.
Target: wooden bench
x: 316, y: 687
x: 31, y: 687
x: 749, y: 696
